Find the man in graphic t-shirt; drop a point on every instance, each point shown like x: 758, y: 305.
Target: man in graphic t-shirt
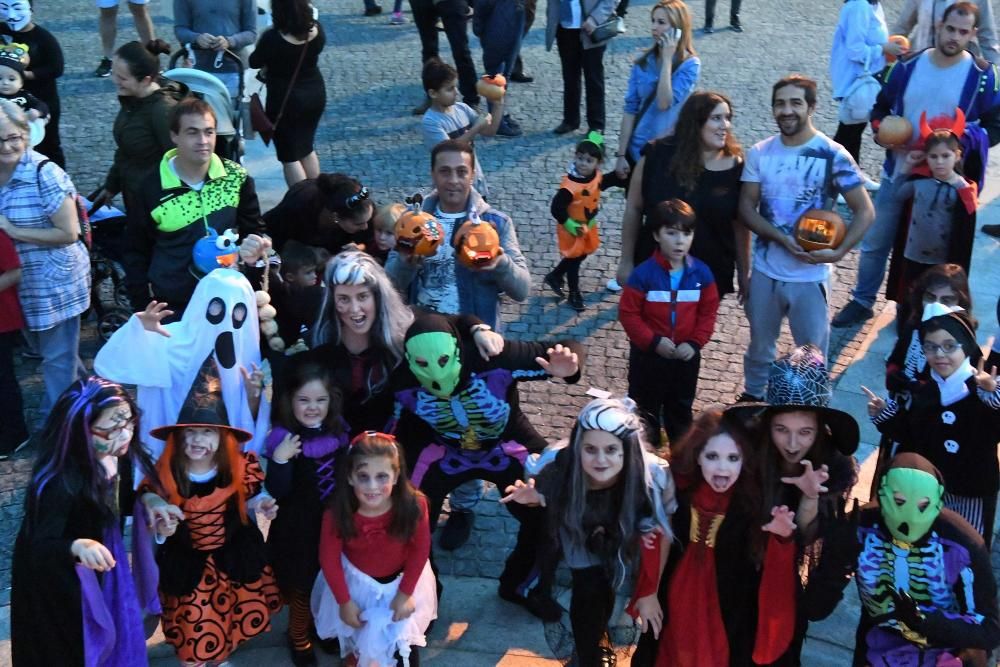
x: 785, y: 176
x: 936, y: 81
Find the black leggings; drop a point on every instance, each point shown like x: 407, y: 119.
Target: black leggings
x: 590, y: 610
x: 571, y: 269
x: 849, y: 136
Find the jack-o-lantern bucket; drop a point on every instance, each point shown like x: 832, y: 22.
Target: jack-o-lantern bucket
x: 817, y: 229
x: 477, y: 244
x: 418, y: 233
x: 894, y: 132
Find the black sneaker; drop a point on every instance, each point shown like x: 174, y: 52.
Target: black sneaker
x: 575, y: 301
x: 508, y: 127
x: 707, y: 30
x: 992, y: 230
x: 374, y: 10
x: 736, y: 27
x: 746, y: 397
x: 303, y: 658
x: 457, y: 529
x: 851, y: 314
x: 104, y: 69
x: 555, y: 284
x: 539, y: 604
x: 566, y: 128
x: 521, y: 76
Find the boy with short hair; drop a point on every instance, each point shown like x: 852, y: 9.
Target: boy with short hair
x: 668, y: 310
x: 447, y: 118
x: 297, y: 295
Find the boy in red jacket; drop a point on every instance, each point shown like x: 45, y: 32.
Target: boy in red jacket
x: 668, y: 310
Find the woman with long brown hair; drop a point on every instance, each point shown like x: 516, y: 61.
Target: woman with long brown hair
x: 700, y: 164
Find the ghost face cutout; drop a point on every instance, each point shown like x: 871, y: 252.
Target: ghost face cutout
x: 910, y: 501
x: 15, y: 13
x: 221, y: 319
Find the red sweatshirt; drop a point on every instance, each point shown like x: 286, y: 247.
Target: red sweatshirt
x: 374, y: 551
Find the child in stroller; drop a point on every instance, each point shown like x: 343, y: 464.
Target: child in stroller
x: 108, y: 298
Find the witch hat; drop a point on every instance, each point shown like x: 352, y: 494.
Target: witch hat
x: 204, y: 406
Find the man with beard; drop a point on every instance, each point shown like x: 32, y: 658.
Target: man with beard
x: 786, y: 175
x: 936, y: 81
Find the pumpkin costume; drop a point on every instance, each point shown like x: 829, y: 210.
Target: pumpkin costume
x: 216, y: 588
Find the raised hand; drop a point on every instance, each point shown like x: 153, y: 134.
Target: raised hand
x: 782, y: 522
x: 811, y: 481
x: 522, y: 493
x: 153, y: 316
x: 289, y: 447
x: 562, y: 362
x: 254, y: 248
x: 253, y: 380
x: 876, y: 403
x: 489, y: 343
x: 986, y: 381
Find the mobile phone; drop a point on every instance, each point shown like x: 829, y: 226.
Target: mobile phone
x: 677, y: 34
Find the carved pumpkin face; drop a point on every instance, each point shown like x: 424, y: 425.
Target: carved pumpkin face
x: 477, y: 244
x: 418, y: 233
x: 820, y: 230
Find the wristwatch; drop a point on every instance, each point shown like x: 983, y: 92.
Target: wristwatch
x: 476, y: 328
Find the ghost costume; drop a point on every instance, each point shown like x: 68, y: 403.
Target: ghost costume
x: 165, y: 368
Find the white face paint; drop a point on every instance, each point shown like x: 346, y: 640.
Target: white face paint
x: 15, y: 13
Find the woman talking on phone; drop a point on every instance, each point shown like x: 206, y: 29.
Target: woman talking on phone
x: 662, y: 78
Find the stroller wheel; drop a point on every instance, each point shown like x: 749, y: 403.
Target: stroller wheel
x: 111, y: 321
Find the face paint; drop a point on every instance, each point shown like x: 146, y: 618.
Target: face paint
x: 111, y: 433
x: 910, y: 501
x: 433, y: 358
x: 16, y: 14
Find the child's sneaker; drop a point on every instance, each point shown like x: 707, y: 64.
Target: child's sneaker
x: 613, y: 285
x: 555, y: 284
x: 397, y: 18
x: 575, y: 301
x: 509, y: 127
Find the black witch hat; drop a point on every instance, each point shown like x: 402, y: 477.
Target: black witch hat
x: 204, y: 406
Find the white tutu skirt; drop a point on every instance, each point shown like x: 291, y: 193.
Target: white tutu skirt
x: 379, y: 638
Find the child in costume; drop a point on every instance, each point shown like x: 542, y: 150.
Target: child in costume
x: 13, y: 60
x: 307, y: 437
x: 604, y: 496
x: 377, y: 592
x: 928, y: 596
x: 575, y: 208
x: 943, y: 211
x: 728, y: 590
x: 216, y: 587
x: 668, y: 311
x: 75, y: 599
x: 953, y: 420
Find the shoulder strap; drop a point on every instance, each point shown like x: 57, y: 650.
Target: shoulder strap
x: 291, y: 83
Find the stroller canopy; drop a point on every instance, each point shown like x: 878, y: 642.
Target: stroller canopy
x: 213, y: 91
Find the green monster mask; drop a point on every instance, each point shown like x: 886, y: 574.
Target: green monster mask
x: 433, y: 358
x: 900, y: 495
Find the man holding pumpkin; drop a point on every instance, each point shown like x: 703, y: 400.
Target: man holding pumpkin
x: 934, y: 82
x: 786, y: 176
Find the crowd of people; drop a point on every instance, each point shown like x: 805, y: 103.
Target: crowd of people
x: 333, y: 370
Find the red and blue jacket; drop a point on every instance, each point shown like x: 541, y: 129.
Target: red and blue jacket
x: 650, y: 310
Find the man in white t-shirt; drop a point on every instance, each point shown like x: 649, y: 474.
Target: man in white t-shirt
x: 785, y: 176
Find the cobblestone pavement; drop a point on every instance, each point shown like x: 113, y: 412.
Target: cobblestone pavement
x: 372, y: 73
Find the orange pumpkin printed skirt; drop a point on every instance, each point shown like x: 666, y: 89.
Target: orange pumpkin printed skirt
x: 219, y: 614
x: 571, y: 246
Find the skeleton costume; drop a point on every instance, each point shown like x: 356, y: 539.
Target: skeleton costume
x: 220, y: 324
x: 928, y: 598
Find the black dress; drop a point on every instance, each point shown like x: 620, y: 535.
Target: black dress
x: 715, y: 200
x: 295, y: 134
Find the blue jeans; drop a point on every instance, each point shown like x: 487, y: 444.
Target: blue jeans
x: 877, y: 244
x: 61, y: 364
x: 465, y: 496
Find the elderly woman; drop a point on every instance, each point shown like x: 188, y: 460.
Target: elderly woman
x: 38, y: 211
x: 700, y: 164
x: 70, y: 568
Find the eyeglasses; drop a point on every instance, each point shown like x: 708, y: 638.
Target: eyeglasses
x: 115, y: 431
x: 13, y: 140
x: 933, y: 349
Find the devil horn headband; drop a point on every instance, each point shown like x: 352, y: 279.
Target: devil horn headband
x: 957, y: 128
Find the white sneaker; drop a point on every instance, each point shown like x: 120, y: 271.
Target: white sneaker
x: 613, y: 285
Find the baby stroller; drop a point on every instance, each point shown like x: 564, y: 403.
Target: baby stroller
x: 108, y: 296
x: 217, y: 78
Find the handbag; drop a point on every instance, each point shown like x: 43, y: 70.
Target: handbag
x: 605, y: 32
x: 259, y: 119
x: 859, y: 99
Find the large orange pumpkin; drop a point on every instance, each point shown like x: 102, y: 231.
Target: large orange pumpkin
x: 418, y: 233
x: 477, y: 244
x: 817, y: 229
x: 902, y: 41
x: 894, y: 132
x: 492, y: 86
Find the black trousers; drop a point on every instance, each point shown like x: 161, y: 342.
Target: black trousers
x: 570, y: 267
x: 664, y: 391
x: 849, y: 136
x: 734, y: 12
x: 454, y: 15
x: 590, y: 608
x: 589, y: 63
x: 13, y: 430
